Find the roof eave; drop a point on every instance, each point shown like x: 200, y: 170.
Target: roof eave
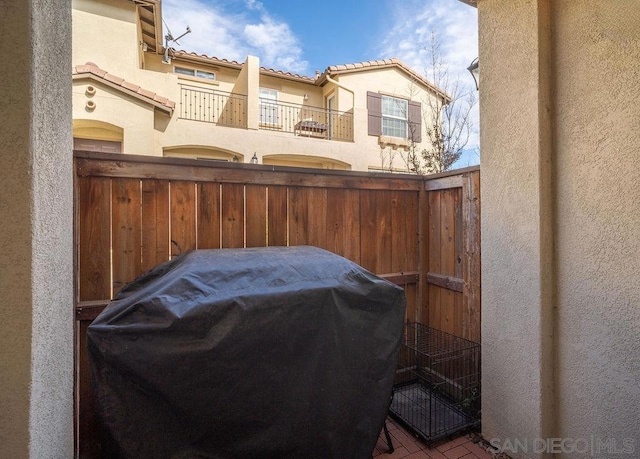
x: 156, y: 6
x: 285, y: 76
x: 417, y: 78
x: 183, y: 56
x: 90, y: 76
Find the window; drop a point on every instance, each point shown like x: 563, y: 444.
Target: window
x: 196, y: 73
x: 394, y: 117
x: 268, y: 106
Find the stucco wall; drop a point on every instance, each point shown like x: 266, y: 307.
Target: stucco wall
x: 560, y: 227
x: 36, y: 316
x: 110, y: 106
x: 106, y: 34
x: 597, y: 60
x: 515, y: 307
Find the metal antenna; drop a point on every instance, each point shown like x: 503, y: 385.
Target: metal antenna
x: 168, y: 38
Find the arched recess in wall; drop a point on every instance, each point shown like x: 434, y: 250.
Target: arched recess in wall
x: 94, y: 135
x: 315, y: 162
x: 200, y: 152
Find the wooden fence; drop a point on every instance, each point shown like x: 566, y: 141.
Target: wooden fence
x: 133, y: 212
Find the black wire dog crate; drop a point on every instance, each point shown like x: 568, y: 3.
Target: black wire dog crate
x: 436, y: 392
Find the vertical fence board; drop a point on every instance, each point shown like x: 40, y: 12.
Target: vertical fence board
x: 412, y: 230
x: 383, y: 234
x: 208, y: 215
x: 256, y: 205
x: 317, y: 209
x: 183, y: 217
x: 458, y: 233
x: 423, y: 253
x: 471, y: 264
x: 336, y: 237
x: 299, y: 217
x: 278, y: 218
x: 232, y: 215
x: 399, y: 232
x: 126, y: 225
x: 447, y: 254
x: 376, y: 231
x: 352, y: 225
x: 434, y: 257
x: 411, y: 294
x: 94, y: 213
x: 343, y: 223
x: 447, y: 232
x: 368, y: 255
x: 155, y: 223
x: 458, y: 327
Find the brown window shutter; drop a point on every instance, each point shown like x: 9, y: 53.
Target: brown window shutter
x: 374, y: 106
x: 415, y: 121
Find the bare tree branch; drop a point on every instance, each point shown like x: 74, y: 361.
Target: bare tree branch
x: 447, y: 125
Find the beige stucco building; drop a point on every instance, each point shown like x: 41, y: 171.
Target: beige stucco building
x: 132, y: 95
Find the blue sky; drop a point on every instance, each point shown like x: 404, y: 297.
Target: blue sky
x: 302, y: 37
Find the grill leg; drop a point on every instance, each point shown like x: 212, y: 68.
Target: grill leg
x: 386, y: 431
x: 388, y: 437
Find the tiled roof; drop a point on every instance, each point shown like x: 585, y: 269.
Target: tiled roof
x: 91, y: 70
x: 234, y: 64
x: 288, y: 74
x: 203, y: 57
x: 384, y: 63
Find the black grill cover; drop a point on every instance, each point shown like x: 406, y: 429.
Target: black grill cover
x: 247, y: 353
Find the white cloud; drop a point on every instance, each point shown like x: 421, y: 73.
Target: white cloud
x: 276, y: 44
x: 214, y: 32
x: 226, y: 34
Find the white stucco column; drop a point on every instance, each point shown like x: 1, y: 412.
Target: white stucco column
x: 517, y: 220
x: 36, y: 226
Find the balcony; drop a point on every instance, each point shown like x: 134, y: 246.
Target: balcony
x: 230, y: 109
x: 218, y: 107
x: 304, y: 120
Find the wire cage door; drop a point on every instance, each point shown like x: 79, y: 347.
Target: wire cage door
x: 437, y: 387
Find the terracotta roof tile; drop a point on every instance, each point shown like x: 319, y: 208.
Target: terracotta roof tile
x: 92, y: 69
x: 146, y: 93
x: 212, y: 59
x: 130, y: 86
x: 337, y: 69
x: 114, y: 79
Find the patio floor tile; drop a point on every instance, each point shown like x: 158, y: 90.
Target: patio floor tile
x: 407, y: 446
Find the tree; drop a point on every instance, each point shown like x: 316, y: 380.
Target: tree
x: 447, y: 124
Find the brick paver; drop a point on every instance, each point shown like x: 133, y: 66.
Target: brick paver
x: 407, y: 446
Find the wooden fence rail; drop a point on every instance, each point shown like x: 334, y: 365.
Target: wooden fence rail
x: 132, y: 213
